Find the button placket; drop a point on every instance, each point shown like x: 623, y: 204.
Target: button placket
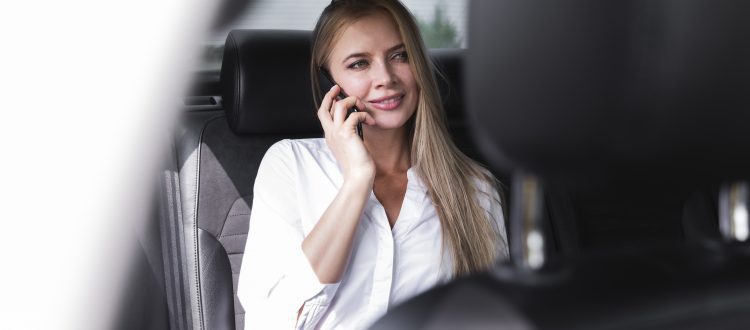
x: 411, y: 207
x: 383, y: 270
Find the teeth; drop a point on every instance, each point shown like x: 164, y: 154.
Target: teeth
x: 391, y: 100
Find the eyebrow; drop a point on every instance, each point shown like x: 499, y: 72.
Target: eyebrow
x: 401, y: 45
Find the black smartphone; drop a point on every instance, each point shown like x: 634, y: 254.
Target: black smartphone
x: 326, y: 83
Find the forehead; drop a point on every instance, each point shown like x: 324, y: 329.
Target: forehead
x: 371, y: 33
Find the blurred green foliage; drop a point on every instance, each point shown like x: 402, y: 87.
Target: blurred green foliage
x: 440, y: 32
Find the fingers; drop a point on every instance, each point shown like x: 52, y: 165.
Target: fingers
x: 324, y: 112
x: 340, y: 109
x: 359, y: 117
x: 333, y: 112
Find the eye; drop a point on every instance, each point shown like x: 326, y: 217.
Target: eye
x: 360, y: 64
x: 400, y: 56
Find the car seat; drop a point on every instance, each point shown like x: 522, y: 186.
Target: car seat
x: 265, y: 97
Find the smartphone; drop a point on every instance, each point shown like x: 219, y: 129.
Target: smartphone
x: 326, y: 85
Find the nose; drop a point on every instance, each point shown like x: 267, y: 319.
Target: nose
x: 383, y: 75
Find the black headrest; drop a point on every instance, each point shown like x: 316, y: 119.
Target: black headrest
x: 266, y: 89
x: 449, y: 62
x: 590, y: 89
x: 265, y: 82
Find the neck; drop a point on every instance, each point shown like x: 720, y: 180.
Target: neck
x: 389, y: 149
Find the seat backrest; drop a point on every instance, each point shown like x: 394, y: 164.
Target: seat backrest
x: 219, y: 152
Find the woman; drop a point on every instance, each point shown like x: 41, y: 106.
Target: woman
x: 342, y: 228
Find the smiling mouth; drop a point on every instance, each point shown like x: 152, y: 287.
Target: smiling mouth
x: 389, y: 103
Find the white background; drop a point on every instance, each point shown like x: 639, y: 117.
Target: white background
x: 86, y: 88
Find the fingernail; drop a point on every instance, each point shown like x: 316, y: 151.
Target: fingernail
x: 332, y: 87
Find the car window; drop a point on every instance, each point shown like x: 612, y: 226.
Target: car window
x: 442, y: 22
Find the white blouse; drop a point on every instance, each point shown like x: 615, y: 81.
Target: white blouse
x: 297, y: 180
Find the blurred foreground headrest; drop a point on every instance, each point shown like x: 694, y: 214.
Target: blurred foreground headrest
x: 623, y: 89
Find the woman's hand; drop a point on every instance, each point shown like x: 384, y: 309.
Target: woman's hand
x: 341, y: 135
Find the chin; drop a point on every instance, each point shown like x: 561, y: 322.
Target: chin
x: 390, y: 121
x: 380, y: 126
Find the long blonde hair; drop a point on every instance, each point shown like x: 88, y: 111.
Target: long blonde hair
x: 448, y: 174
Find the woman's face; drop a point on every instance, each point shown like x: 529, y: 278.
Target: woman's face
x: 369, y: 61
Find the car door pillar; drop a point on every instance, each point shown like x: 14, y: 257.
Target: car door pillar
x: 526, y: 226
x: 733, y: 213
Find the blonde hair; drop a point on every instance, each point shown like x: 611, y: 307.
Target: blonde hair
x: 448, y: 174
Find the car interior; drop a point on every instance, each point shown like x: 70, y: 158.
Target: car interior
x: 619, y: 136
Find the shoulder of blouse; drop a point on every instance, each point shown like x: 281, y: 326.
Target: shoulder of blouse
x: 293, y: 146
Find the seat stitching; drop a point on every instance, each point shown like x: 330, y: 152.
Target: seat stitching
x: 224, y: 225
x: 195, y: 222
x: 195, y: 226
x: 232, y: 235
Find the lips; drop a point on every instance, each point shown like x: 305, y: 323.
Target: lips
x: 388, y: 102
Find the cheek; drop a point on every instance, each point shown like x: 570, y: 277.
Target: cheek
x: 410, y: 84
x: 354, y: 87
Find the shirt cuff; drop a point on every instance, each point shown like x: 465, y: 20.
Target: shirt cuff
x: 300, y: 286
x: 306, y: 282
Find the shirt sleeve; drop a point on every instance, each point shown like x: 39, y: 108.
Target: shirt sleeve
x: 276, y: 278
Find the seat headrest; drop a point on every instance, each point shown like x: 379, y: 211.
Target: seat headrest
x: 586, y: 89
x: 265, y: 82
x: 449, y: 62
x: 266, y: 89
